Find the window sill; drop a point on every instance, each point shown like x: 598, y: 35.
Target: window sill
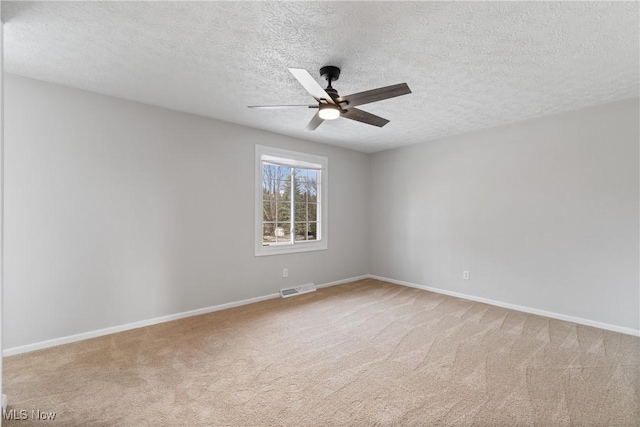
x: 290, y: 249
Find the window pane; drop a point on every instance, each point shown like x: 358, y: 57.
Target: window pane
x: 284, y: 173
x: 300, y: 175
x: 284, y: 211
x: 313, y: 194
x: 268, y: 170
x: 301, y: 231
x: 311, y: 233
x: 312, y: 187
x: 269, y: 182
x: 300, y: 180
x: 308, y: 184
x: 283, y: 190
x: 313, y: 212
x: 269, y: 211
x: 269, y: 196
x: 301, y: 212
x: 283, y: 232
x: 268, y: 232
x: 305, y: 191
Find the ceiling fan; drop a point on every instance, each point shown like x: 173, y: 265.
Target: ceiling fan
x: 332, y: 106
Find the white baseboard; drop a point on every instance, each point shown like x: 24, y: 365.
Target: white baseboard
x: 142, y: 323
x: 126, y: 327
x: 581, y: 321
x: 343, y: 281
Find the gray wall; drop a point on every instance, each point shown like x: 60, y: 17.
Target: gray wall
x: 1, y: 195
x: 543, y: 214
x: 118, y: 212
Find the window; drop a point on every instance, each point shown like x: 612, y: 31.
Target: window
x: 291, y: 208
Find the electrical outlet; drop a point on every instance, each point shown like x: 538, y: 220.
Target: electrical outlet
x: 285, y: 272
x: 465, y: 275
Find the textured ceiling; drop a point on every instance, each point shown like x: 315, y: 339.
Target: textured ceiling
x: 470, y: 65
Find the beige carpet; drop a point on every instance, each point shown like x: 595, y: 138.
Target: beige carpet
x: 364, y: 353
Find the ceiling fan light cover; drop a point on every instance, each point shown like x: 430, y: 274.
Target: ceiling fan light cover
x: 329, y: 112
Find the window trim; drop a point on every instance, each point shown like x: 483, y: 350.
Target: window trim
x: 294, y: 159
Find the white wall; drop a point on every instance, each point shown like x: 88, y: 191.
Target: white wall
x: 544, y: 214
x: 118, y: 212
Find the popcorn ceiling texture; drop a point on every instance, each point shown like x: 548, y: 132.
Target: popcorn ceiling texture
x: 470, y: 65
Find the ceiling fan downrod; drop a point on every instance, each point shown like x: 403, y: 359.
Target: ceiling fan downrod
x: 330, y: 73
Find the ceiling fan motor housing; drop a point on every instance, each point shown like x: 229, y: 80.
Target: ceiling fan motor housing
x: 332, y: 93
x: 330, y: 73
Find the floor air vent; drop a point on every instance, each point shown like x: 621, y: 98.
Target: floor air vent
x: 289, y: 292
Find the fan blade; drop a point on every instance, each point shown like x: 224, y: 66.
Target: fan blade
x: 374, y: 95
x: 364, y: 117
x: 315, y: 122
x: 311, y: 85
x: 281, y: 106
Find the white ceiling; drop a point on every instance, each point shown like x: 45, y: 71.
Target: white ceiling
x: 470, y: 65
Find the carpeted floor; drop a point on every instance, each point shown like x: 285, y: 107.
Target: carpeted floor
x: 364, y: 353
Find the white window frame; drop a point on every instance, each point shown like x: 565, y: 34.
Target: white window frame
x: 299, y: 160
